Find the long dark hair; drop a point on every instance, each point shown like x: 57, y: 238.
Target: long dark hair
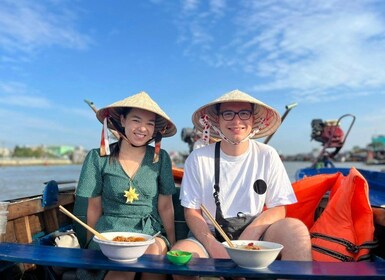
x: 115, y: 148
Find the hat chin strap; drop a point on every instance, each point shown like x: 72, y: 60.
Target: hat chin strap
x: 204, y: 121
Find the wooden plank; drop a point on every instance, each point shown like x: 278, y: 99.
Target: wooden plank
x: 32, y: 206
x: 93, y: 259
x: 23, y: 234
x: 24, y: 208
x: 36, y: 223
x: 27, y: 217
x: 51, y: 220
x: 9, y: 235
x: 22, y: 230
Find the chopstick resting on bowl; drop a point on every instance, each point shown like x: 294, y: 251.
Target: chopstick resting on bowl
x: 69, y: 214
x: 217, y: 226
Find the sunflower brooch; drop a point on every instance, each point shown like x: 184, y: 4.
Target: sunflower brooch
x: 131, y: 195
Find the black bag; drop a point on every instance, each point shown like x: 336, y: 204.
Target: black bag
x: 233, y: 226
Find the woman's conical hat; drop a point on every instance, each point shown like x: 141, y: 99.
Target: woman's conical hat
x: 143, y: 101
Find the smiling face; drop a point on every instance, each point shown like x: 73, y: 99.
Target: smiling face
x: 139, y: 126
x: 236, y: 129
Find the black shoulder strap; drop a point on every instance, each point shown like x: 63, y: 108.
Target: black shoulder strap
x: 218, y: 213
x: 217, y: 169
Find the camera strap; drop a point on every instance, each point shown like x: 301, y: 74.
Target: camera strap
x: 218, y: 213
x: 233, y: 226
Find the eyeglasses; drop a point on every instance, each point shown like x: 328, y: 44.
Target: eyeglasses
x: 230, y: 115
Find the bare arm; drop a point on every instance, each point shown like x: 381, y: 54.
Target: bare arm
x: 166, y: 212
x: 94, y: 211
x: 262, y: 222
x: 201, y: 231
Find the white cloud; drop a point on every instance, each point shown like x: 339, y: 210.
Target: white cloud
x: 42, y: 130
x: 189, y: 5
x: 29, y: 25
x: 83, y: 113
x: 25, y: 101
x: 18, y: 94
x: 217, y: 7
x: 312, y: 46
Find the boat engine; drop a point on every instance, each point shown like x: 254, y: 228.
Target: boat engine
x: 189, y: 136
x: 329, y: 133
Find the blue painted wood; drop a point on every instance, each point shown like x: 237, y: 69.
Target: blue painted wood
x: 50, y: 194
x: 90, y: 259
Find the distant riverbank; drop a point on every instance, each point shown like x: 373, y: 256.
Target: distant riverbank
x: 24, y: 181
x: 33, y: 161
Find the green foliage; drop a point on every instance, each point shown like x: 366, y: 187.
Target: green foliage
x: 36, y: 152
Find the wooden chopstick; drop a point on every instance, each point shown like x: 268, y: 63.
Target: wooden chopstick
x: 217, y: 226
x: 69, y: 214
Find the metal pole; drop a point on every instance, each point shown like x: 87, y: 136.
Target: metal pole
x: 93, y: 107
x: 91, y: 104
x: 288, y: 109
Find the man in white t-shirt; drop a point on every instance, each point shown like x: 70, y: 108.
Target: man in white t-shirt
x: 252, y: 181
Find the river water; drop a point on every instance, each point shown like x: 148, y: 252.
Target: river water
x: 24, y: 181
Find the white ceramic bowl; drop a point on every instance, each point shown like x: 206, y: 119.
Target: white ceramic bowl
x: 123, y: 251
x: 253, y: 259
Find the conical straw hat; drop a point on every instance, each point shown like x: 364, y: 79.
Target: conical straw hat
x: 266, y: 119
x: 143, y: 101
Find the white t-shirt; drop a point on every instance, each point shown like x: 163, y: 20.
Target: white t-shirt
x: 238, y: 175
x: 199, y: 144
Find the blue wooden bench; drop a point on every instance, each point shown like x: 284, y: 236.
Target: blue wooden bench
x: 91, y: 259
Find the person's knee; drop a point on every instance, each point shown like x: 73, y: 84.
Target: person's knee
x: 294, y: 235
x: 180, y: 245
x: 297, y: 227
x: 191, y: 246
x: 158, y: 248
x: 288, y: 228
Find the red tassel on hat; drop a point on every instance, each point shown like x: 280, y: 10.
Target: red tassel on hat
x: 104, y: 143
x: 204, y: 121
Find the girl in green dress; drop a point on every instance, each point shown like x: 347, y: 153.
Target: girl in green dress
x: 129, y: 184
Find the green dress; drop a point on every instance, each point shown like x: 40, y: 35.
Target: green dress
x: 102, y: 176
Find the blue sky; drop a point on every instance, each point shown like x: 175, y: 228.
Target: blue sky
x: 328, y: 56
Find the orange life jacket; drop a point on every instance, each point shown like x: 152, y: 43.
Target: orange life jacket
x: 345, y: 229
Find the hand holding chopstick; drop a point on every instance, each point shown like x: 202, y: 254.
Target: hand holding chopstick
x: 69, y: 214
x: 217, y: 226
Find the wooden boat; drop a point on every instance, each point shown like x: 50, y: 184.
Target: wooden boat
x: 35, y: 221
x: 32, y: 223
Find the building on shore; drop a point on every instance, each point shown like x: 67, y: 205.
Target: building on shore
x: 42, y: 155
x: 5, y: 152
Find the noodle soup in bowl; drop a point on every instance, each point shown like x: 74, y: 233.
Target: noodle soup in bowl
x: 253, y: 254
x: 124, y: 246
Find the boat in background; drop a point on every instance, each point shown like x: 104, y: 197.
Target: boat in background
x: 376, y: 152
